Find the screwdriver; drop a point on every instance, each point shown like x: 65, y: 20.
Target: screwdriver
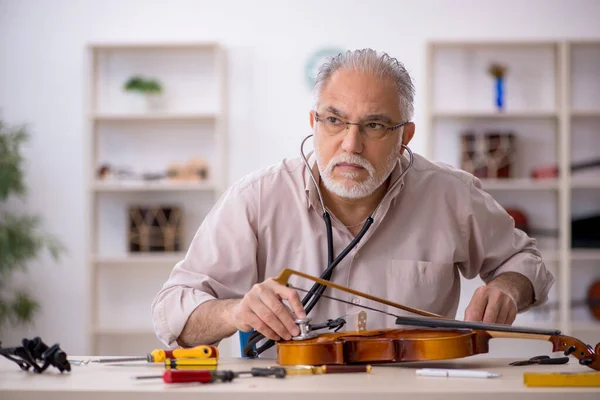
x: 325, y: 369
x: 181, y: 363
x: 173, y: 376
x: 159, y: 355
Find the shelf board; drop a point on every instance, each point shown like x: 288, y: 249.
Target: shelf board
x: 473, y: 44
x: 155, y: 117
x: 154, y: 46
x: 585, y: 254
x: 590, y: 326
x: 494, y: 114
x: 586, y: 113
x: 140, y: 260
x: 585, y: 183
x: 519, y: 184
x: 135, y: 186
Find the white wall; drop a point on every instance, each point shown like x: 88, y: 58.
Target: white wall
x: 42, y: 79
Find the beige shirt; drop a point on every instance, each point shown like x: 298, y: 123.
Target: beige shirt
x: 435, y: 225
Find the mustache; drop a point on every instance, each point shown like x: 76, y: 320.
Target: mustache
x: 350, y: 159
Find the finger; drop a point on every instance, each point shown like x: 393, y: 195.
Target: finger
x: 503, y: 312
x: 260, y: 326
x: 492, y: 309
x: 291, y: 296
x: 475, y: 309
x: 281, y: 312
x: 266, y: 315
x: 512, y: 314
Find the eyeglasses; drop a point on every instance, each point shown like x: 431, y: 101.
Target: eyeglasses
x: 373, y: 129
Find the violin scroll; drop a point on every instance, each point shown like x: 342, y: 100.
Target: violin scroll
x: 586, y: 355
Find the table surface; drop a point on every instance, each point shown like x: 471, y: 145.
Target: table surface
x: 95, y: 381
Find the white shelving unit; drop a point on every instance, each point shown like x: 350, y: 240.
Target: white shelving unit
x: 189, y: 124
x: 552, y: 105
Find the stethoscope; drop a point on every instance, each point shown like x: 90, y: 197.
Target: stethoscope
x: 317, y: 289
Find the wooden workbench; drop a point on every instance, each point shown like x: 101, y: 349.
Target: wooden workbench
x: 103, y: 381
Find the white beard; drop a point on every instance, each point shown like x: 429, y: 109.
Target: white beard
x: 354, y: 189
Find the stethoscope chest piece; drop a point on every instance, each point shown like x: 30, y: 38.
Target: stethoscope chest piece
x: 305, y: 332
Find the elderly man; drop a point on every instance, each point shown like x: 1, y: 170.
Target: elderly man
x: 435, y: 224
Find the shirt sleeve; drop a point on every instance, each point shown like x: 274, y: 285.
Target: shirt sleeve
x: 220, y: 263
x: 495, y: 246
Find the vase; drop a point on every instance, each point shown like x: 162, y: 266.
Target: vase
x: 500, y: 93
x: 135, y: 103
x: 154, y: 102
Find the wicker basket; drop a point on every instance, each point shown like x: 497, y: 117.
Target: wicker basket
x: 154, y: 228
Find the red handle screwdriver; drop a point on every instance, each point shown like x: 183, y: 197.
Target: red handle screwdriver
x: 205, y: 376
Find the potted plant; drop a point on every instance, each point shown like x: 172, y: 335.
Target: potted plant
x: 148, y: 89
x: 21, y: 239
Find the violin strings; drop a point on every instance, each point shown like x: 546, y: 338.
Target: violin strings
x: 441, y: 323
x: 348, y: 302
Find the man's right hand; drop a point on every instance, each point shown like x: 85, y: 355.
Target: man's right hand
x: 262, y: 309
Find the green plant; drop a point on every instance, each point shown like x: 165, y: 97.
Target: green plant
x: 21, y: 238
x: 142, y: 85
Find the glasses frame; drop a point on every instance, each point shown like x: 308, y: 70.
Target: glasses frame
x: 361, y: 125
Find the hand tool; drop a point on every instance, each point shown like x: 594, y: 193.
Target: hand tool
x: 564, y: 379
x: 173, y: 376
x: 541, y: 360
x: 159, y: 355
x: 324, y: 369
x: 181, y: 363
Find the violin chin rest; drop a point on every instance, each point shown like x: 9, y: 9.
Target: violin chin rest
x: 597, y: 350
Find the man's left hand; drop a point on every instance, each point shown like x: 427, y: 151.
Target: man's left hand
x: 492, y: 304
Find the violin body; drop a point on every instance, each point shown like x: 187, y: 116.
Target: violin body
x: 404, y: 345
x: 382, y: 346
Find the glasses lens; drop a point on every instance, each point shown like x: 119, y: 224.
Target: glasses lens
x: 374, y: 129
x: 332, y: 124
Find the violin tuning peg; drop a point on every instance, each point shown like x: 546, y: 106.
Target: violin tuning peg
x: 571, y: 349
x: 586, y: 361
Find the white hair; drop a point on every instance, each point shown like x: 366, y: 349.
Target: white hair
x: 380, y: 65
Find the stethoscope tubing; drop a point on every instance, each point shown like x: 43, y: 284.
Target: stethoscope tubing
x: 317, y: 289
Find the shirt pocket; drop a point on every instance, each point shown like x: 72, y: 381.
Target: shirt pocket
x: 428, y: 286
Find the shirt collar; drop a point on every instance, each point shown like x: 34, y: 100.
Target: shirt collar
x: 311, y: 192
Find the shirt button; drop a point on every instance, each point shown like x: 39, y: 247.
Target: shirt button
x: 356, y: 300
x: 356, y: 255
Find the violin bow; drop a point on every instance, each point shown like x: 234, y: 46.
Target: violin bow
x: 285, y: 274
x: 569, y: 345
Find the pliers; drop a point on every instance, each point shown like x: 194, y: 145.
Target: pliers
x: 542, y: 360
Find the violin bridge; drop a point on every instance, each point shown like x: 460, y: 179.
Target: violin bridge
x: 361, y: 323
x: 357, y: 320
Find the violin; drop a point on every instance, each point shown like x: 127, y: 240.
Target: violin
x: 456, y: 339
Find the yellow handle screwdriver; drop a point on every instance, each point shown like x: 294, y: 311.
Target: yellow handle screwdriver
x: 159, y: 355
x: 191, y: 363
